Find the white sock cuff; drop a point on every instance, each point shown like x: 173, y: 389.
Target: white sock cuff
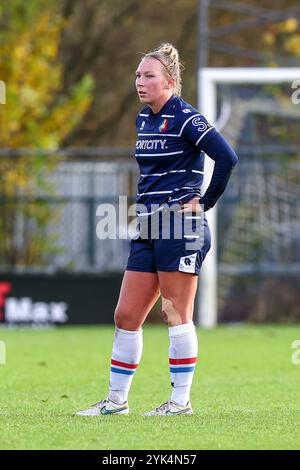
x: 128, y: 332
x: 181, y: 329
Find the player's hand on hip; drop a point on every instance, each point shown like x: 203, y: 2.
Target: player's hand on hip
x: 191, y: 206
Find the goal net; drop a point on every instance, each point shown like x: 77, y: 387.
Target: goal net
x: 252, y: 271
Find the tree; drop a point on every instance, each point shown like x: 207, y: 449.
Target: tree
x: 108, y: 35
x: 38, y: 114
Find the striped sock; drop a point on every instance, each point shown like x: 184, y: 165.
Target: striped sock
x: 126, y: 355
x: 182, y: 358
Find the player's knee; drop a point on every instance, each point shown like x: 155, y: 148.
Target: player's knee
x: 124, y: 320
x: 121, y: 316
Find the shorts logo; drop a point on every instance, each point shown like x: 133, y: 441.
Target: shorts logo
x: 187, y: 264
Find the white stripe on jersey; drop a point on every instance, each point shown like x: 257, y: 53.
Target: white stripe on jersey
x: 154, y: 192
x: 185, y: 123
x: 161, y: 135
x: 154, y: 174
x: 163, y: 174
x: 178, y: 198
x: 198, y: 171
x: 209, y: 129
x: 181, y: 130
x: 143, y: 214
x: 157, y: 154
x: 145, y: 115
x: 167, y: 115
x: 183, y: 187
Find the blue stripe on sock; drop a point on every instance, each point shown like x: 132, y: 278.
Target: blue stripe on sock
x: 121, y: 371
x: 181, y: 369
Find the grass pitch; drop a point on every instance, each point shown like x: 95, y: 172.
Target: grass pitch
x: 245, y: 393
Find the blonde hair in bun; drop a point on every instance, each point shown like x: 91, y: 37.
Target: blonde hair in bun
x: 168, y: 56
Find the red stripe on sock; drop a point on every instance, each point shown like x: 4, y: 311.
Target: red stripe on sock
x: 189, y: 360
x: 124, y: 364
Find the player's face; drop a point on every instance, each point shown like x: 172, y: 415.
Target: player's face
x: 151, y: 83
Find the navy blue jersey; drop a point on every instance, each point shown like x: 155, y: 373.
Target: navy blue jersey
x: 169, y: 151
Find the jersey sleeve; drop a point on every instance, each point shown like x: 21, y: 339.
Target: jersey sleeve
x: 225, y: 158
x: 195, y: 128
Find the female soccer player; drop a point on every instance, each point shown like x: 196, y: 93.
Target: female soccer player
x: 172, y: 137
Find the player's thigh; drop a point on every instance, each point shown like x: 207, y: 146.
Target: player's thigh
x: 178, y: 292
x: 139, y: 292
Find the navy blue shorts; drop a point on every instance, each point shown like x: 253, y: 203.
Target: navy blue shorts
x: 183, y: 250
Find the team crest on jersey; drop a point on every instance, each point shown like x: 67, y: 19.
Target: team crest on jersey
x: 164, y: 126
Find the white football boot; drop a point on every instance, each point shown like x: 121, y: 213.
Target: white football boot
x: 170, y: 408
x: 105, y: 407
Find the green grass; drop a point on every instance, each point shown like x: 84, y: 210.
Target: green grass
x: 245, y: 393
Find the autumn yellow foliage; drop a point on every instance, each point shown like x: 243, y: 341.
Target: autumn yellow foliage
x: 37, y: 115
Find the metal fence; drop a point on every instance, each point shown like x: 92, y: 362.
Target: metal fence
x: 48, y: 204
x: 259, y: 243
x: 67, y: 188
x: 258, y: 217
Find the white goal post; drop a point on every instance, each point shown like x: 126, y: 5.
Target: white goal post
x: 208, y: 79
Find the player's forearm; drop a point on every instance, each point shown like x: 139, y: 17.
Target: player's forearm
x: 225, y: 159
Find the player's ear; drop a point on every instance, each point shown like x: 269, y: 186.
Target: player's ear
x: 170, y: 84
